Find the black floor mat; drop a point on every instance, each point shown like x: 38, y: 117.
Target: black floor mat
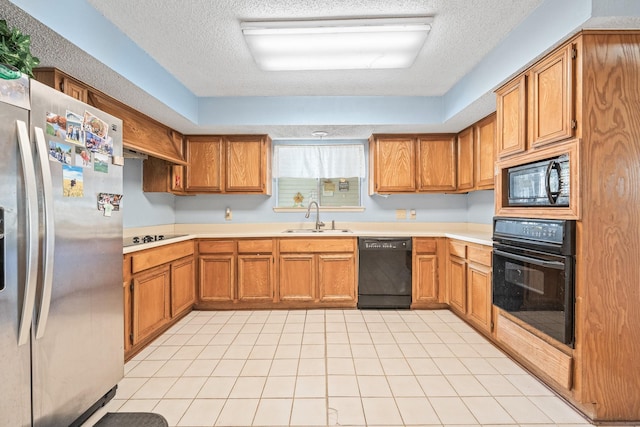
x: 132, y: 419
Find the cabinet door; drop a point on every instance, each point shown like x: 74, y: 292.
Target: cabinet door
x: 128, y: 311
x: 511, y: 105
x: 183, y: 292
x: 466, y: 171
x: 457, y: 281
x: 551, y: 98
x: 479, y: 295
x: 217, y: 277
x: 247, y: 164
x: 74, y: 89
x: 150, y: 302
x: 485, y: 136
x: 205, y: 163
x: 255, y: 277
x: 337, y: 277
x: 297, y: 277
x: 426, y: 277
x: 394, y: 164
x: 436, y: 162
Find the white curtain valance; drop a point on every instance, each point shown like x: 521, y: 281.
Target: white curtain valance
x: 319, y: 161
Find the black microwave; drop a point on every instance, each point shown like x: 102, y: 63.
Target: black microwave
x: 542, y: 183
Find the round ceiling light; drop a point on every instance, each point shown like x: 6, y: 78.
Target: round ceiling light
x: 319, y: 134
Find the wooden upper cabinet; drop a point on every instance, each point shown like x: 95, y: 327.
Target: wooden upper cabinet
x: 58, y: 80
x: 436, y: 162
x: 248, y: 164
x: 485, y: 141
x: 139, y: 133
x: 228, y: 164
x: 511, y: 102
x: 550, y: 99
x: 205, y: 159
x: 392, y: 164
x: 465, y: 168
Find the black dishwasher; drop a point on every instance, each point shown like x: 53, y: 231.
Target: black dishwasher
x: 384, y: 274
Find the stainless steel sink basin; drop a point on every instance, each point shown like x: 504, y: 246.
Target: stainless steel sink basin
x: 313, y: 230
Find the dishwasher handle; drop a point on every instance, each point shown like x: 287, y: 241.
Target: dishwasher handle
x: 384, y: 244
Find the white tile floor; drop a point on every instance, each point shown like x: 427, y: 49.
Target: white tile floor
x: 332, y: 367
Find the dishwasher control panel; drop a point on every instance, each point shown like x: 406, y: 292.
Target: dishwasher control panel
x: 384, y: 243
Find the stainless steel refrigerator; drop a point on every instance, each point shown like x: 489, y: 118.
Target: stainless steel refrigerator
x: 61, y: 310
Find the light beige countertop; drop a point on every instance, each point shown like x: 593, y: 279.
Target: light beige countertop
x: 470, y: 232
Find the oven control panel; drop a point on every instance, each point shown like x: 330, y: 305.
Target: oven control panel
x: 545, y: 230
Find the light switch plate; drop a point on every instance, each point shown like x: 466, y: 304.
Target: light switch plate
x: 412, y: 214
x: 401, y: 214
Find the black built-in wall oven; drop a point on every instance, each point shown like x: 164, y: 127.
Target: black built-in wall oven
x: 533, y: 273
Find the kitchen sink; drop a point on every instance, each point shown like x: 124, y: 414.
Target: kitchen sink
x: 313, y: 230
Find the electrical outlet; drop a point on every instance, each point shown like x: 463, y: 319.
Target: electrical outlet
x: 412, y: 214
x: 401, y: 214
x: 228, y: 215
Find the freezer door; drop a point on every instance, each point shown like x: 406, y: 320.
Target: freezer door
x: 78, y: 356
x: 15, y: 376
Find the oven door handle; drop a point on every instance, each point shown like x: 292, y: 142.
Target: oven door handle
x: 556, y: 265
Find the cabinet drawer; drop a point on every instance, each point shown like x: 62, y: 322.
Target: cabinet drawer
x: 255, y: 246
x: 479, y: 255
x: 458, y: 249
x: 144, y: 260
x: 217, y: 246
x: 317, y: 245
x: 425, y: 246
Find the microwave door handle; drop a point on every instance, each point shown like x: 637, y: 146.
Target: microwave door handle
x: 556, y: 265
x: 553, y: 195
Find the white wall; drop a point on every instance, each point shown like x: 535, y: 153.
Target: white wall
x: 143, y: 209
x: 148, y: 209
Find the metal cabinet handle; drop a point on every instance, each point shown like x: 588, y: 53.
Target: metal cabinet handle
x: 49, y: 233
x: 31, y: 195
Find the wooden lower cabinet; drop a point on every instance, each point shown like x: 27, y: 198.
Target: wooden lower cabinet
x: 255, y: 277
x: 428, y: 273
x: 183, y: 290
x: 159, y: 288
x: 318, y: 272
x: 150, y: 302
x: 336, y: 273
x: 479, y: 295
x: 457, y: 277
x: 217, y: 277
x: 469, y: 282
x: 297, y: 277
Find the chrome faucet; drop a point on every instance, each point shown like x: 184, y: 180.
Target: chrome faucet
x: 318, y: 222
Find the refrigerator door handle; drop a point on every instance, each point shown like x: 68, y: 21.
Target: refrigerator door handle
x: 49, y: 233
x: 31, y: 193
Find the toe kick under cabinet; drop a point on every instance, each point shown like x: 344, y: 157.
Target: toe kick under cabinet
x: 158, y: 290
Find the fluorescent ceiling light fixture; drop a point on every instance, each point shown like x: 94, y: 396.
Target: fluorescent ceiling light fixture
x: 340, y: 44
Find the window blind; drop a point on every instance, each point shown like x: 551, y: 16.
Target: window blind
x: 319, y: 161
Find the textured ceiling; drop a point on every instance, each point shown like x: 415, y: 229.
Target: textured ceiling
x: 200, y: 43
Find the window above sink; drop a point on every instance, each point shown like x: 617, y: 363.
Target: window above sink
x: 330, y: 174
